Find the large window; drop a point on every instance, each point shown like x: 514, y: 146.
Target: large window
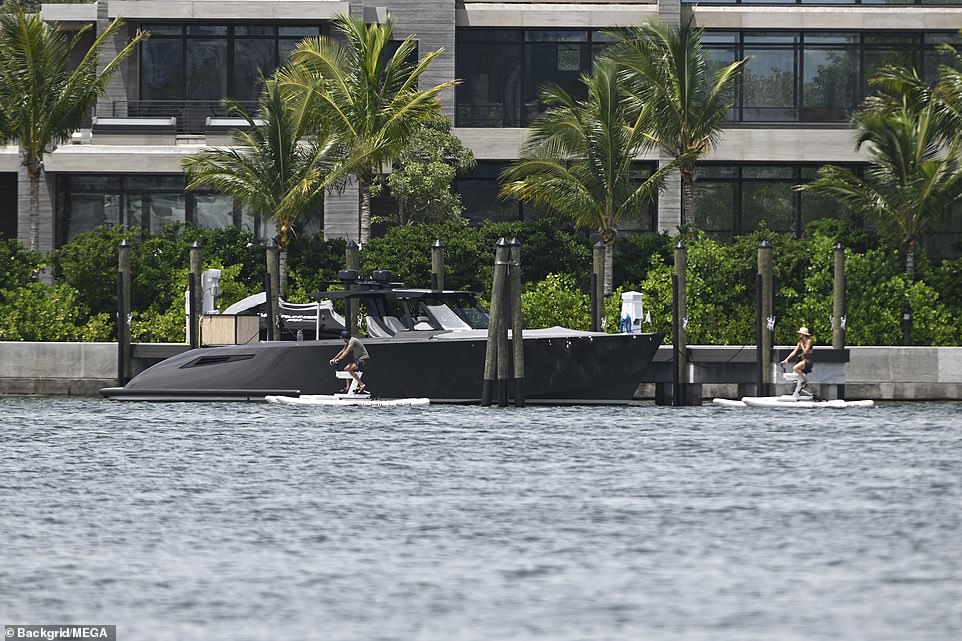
x: 149, y: 203
x: 731, y: 200
x: 187, y: 69
x: 808, y: 76
x: 479, y: 195
x: 503, y: 71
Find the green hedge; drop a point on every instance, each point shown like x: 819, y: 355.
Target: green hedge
x: 556, y: 264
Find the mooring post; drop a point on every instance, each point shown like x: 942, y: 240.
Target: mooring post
x: 679, y: 395
x: 352, y: 262
x: 271, y: 287
x: 764, y: 314
x: 838, y: 307
x: 597, y: 286
x: 123, y: 312
x: 838, y: 299
x: 196, y: 294
x: 517, y: 322
x: 504, y: 354
x: 906, y: 322
x: 437, y: 266
x: 495, y: 319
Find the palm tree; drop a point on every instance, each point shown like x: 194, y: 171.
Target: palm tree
x: 915, y: 175
x: 43, y: 93
x: 579, y: 160
x: 680, y: 104
x: 279, y: 167
x: 367, y: 92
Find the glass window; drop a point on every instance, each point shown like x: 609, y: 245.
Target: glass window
x: 768, y: 85
x: 213, y: 211
x: 253, y: 59
x: 770, y: 202
x: 830, y: 83
x: 161, y: 69
x: 479, y: 194
x: 206, y: 30
x: 206, y: 65
x: 490, y: 92
x: 715, y: 206
x: 560, y: 63
x: 88, y: 211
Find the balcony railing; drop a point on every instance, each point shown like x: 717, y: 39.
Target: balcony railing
x: 191, y: 115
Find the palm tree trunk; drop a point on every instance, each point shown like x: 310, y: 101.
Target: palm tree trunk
x: 33, y: 173
x: 282, y: 272
x: 609, y: 267
x: 364, y: 193
x: 687, y: 196
x: 910, y: 262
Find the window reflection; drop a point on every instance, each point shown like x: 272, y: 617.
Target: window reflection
x: 504, y: 70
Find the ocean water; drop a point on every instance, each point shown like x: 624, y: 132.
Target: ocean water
x: 249, y: 521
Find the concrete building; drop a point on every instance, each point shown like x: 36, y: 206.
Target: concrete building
x: 808, y: 71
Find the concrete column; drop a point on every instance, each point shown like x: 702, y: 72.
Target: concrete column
x: 669, y: 200
x: 342, y: 214
x: 433, y: 23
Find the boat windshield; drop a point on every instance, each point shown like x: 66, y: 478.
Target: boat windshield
x: 458, y: 312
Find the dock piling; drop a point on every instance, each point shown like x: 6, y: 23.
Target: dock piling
x: 272, y: 286
x: 195, y: 293
x: 437, y: 266
x: 123, y: 312
x: 597, y: 286
x: 352, y: 262
x: 517, y: 321
x: 764, y: 318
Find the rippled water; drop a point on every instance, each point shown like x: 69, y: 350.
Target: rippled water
x: 238, y: 521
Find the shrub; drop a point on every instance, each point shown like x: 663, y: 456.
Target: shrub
x: 556, y: 301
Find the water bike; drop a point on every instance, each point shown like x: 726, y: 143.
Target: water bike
x: 353, y: 396
x: 798, y: 399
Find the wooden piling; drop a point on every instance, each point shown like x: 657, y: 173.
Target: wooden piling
x: 517, y: 321
x: 764, y: 313
x: 352, y: 262
x: 437, y: 266
x: 838, y: 299
x: 492, y: 357
x: 123, y: 312
x: 597, y: 286
x: 679, y: 394
x: 272, y: 286
x: 196, y: 295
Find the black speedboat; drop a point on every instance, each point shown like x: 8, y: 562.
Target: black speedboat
x: 422, y: 343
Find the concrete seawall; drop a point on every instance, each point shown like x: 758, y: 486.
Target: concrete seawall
x: 881, y: 373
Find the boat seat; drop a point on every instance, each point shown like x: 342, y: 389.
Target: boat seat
x: 376, y: 330
x: 394, y: 324
x: 347, y: 375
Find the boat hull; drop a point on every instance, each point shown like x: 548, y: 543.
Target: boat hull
x: 579, y: 368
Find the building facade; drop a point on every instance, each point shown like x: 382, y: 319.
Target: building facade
x: 809, y: 66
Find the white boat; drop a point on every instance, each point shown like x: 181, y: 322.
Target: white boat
x: 789, y: 401
x: 343, y: 399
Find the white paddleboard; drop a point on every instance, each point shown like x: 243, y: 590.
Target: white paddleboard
x: 728, y: 402
x: 791, y: 402
x: 344, y: 399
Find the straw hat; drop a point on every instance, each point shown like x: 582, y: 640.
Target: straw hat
x: 804, y: 331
